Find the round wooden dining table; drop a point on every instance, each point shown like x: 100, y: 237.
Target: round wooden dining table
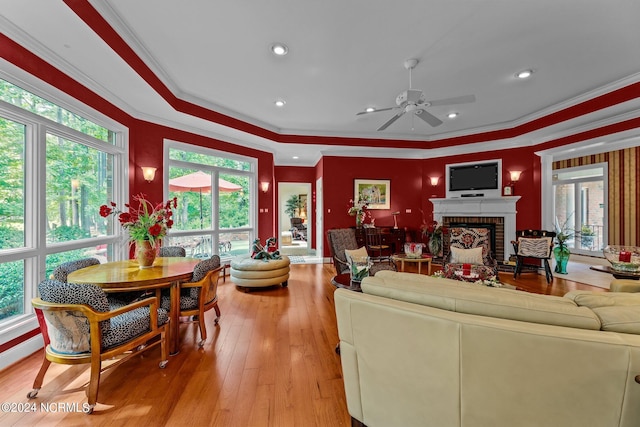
x: 125, y: 276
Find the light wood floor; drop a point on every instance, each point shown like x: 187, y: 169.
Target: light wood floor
x: 271, y: 362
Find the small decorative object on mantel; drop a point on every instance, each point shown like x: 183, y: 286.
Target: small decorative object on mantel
x: 146, y: 225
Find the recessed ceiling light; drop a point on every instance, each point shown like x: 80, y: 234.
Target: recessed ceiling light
x: 279, y: 49
x: 369, y: 109
x: 295, y: 157
x: 452, y: 115
x: 524, y: 74
x: 280, y: 103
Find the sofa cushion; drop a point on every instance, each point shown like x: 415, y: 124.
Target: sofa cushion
x: 603, y: 299
x: 625, y: 319
x: 470, y: 298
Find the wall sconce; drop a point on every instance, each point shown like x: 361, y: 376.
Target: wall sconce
x: 515, y: 175
x: 434, y: 180
x: 148, y: 173
x: 264, y: 185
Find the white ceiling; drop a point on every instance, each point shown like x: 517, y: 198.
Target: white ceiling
x: 346, y: 55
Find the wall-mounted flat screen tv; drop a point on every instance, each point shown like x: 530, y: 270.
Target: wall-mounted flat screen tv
x: 481, y: 176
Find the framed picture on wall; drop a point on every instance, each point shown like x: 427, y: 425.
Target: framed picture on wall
x: 508, y: 190
x: 375, y: 192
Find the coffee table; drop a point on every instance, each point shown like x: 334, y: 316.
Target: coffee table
x: 402, y: 258
x: 617, y: 274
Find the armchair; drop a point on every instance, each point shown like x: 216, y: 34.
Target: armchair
x: 341, y: 239
x: 536, y: 244
x: 470, y: 246
x: 85, y: 327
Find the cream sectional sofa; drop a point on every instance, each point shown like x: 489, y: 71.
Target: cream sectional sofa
x: 424, y: 351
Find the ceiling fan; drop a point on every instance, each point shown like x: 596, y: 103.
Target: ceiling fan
x: 413, y: 101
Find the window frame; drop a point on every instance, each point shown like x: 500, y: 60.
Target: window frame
x: 35, y: 249
x: 252, y: 174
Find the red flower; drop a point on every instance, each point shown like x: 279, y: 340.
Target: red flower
x: 170, y: 223
x: 105, y: 211
x: 155, y: 230
x: 124, y: 217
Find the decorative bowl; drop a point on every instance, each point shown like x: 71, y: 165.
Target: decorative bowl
x: 413, y: 250
x: 623, y: 258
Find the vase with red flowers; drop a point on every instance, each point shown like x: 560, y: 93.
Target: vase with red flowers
x: 145, y: 224
x: 434, y: 233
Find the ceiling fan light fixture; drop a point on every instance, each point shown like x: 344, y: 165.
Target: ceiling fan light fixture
x: 524, y: 74
x: 369, y: 110
x: 279, y: 49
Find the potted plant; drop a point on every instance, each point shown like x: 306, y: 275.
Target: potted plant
x: 293, y: 206
x: 586, y: 237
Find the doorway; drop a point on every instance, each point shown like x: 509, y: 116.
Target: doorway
x: 294, y: 204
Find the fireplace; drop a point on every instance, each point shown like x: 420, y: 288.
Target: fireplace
x: 494, y: 225
x: 497, y: 214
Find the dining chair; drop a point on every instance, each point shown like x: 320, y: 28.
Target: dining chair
x: 61, y: 272
x: 167, y: 251
x: 199, y: 295
x: 85, y: 327
x: 375, y: 245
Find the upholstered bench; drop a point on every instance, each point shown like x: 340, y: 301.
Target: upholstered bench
x: 247, y: 272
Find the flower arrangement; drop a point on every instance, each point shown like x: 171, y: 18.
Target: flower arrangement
x: 563, y: 233
x: 359, y: 210
x: 146, y: 222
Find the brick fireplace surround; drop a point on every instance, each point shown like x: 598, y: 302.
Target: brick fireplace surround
x: 498, y: 214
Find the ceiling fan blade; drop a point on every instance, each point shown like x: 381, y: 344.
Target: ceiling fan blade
x: 465, y: 99
x: 391, y: 120
x: 428, y: 117
x: 375, y: 111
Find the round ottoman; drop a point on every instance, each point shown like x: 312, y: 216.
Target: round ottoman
x: 256, y: 273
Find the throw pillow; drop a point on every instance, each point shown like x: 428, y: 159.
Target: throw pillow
x: 349, y: 254
x: 536, y: 247
x: 466, y: 256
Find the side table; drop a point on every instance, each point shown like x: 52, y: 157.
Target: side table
x: 344, y: 281
x: 402, y: 258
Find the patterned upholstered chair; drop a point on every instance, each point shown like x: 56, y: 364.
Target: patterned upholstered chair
x: 537, y: 244
x: 199, y: 295
x: 167, y: 251
x: 85, y: 327
x: 470, y: 246
x: 62, y: 271
x: 341, y: 239
x: 298, y: 229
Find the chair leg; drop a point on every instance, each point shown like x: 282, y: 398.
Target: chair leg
x: 203, y: 330
x: 217, y: 309
x: 164, y: 348
x: 94, y: 381
x: 518, y: 268
x: 37, y: 384
x: 547, y: 271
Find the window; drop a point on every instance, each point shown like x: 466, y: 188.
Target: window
x: 580, y: 206
x: 216, y: 199
x: 57, y: 167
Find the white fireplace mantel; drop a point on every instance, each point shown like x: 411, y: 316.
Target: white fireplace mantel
x: 504, y: 207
